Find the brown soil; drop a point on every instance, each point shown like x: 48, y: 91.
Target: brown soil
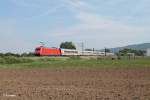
x: 75, y: 84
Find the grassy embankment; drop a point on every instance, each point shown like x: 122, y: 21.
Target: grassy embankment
x: 70, y: 62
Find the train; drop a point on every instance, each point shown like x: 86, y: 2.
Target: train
x: 53, y: 51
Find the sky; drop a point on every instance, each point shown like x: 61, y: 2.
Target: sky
x: 97, y: 23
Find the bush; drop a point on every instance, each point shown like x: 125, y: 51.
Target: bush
x: 14, y: 60
x: 75, y: 58
x: 12, y: 54
x: 27, y: 54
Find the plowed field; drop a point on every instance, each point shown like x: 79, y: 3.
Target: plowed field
x: 75, y: 84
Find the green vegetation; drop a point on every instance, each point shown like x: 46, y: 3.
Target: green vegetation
x: 70, y: 62
x: 16, y: 55
x: 125, y: 52
x: 14, y: 60
x: 67, y: 45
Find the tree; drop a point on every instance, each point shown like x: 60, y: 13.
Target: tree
x: 125, y: 52
x: 67, y: 45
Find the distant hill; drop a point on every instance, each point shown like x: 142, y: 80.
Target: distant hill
x: 143, y: 46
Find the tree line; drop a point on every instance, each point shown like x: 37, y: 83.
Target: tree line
x: 16, y: 54
x: 126, y: 51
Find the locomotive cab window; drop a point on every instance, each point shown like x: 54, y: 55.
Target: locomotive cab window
x: 38, y: 49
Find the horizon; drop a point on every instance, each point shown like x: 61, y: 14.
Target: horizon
x: 98, y: 24
x: 80, y: 48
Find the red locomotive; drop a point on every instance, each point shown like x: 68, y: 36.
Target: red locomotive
x: 44, y: 51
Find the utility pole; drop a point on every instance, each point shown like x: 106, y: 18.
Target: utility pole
x: 93, y: 49
x: 42, y: 43
x: 105, y: 52
x: 82, y: 46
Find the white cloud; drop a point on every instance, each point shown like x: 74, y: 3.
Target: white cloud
x: 92, y: 23
x: 47, y: 12
x: 44, y: 7
x: 76, y: 3
x: 100, y: 30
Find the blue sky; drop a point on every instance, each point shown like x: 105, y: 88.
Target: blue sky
x: 97, y: 23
